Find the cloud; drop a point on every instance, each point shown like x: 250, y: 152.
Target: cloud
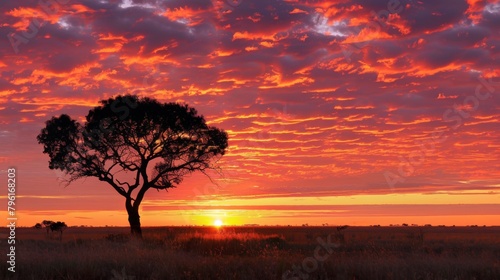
x: 317, y: 96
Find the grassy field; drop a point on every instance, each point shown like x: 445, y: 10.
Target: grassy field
x: 257, y: 253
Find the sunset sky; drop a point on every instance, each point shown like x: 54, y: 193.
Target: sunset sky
x: 354, y: 112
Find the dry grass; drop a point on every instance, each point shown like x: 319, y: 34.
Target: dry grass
x: 257, y: 253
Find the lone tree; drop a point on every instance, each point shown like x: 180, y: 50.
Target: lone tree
x: 58, y: 226
x: 133, y: 144
x: 46, y: 224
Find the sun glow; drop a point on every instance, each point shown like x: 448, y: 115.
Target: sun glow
x: 218, y: 223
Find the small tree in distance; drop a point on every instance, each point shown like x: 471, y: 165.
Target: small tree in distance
x: 134, y: 145
x: 46, y: 224
x: 52, y: 226
x: 58, y: 226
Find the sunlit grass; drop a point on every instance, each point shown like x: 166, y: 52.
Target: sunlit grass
x: 257, y: 253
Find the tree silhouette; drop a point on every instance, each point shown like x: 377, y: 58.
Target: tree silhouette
x: 58, y: 226
x: 46, y: 224
x: 133, y: 144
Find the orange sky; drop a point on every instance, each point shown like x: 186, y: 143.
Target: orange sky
x: 343, y: 112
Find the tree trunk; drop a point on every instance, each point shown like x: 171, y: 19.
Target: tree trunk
x: 135, y: 221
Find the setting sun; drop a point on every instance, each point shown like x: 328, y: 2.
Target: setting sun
x: 218, y: 223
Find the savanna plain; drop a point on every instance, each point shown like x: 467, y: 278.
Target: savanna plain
x: 257, y: 252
